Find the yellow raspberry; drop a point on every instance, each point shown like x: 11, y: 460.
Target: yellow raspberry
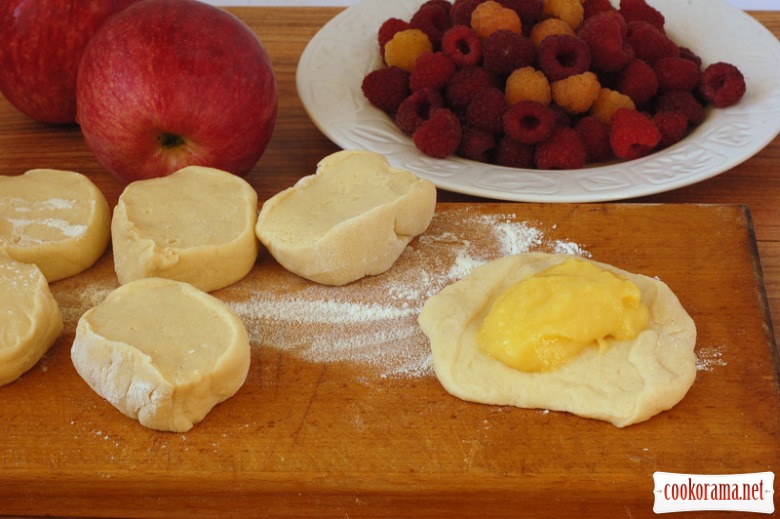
x: 607, y: 104
x: 405, y: 47
x: 549, y: 27
x: 491, y: 16
x: 577, y: 93
x: 527, y: 83
x: 570, y: 11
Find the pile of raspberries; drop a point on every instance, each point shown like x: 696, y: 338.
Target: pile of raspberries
x: 546, y: 84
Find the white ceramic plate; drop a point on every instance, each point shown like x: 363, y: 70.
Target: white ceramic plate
x: 332, y: 67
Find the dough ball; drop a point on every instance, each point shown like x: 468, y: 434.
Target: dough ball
x: 352, y: 218
x: 162, y: 352
x: 58, y: 220
x: 629, y: 382
x: 30, y: 319
x: 195, y: 225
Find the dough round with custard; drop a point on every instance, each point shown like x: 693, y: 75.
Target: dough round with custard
x: 629, y: 382
x: 162, y: 352
x: 30, y: 319
x: 351, y: 219
x: 196, y: 225
x: 57, y: 219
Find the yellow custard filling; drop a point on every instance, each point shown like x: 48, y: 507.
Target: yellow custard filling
x: 546, y: 319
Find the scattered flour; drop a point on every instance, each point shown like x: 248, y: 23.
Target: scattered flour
x: 709, y: 358
x: 373, y: 321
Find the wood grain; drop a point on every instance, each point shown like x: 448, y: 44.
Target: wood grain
x: 324, y: 438
x: 340, y: 439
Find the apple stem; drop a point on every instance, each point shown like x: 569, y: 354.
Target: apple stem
x: 169, y: 140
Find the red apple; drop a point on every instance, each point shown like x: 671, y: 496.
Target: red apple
x: 171, y: 83
x: 41, y: 43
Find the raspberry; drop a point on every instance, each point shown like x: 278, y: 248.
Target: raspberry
x: 594, y: 7
x: 490, y: 16
x: 683, y: 102
x: 464, y: 85
x: 605, y: 35
x: 463, y: 45
x: 649, y: 42
x: 529, y: 122
x: 672, y: 126
x: 638, y: 81
x: 561, y: 56
x: 639, y: 11
x: 405, y: 47
x: 549, y: 27
x: 562, y: 150
x: 417, y: 108
x: 513, y: 154
x: 675, y: 73
x: 460, y: 13
x: 576, y: 94
x: 388, y: 29
x: 595, y: 138
x: 440, y: 135
x: 487, y: 110
x: 527, y: 83
x: 505, y: 51
x: 476, y: 144
x: 570, y: 11
x: 432, y: 70
x: 608, y: 102
x: 445, y: 5
x: 632, y: 134
x: 529, y: 11
x: 386, y: 88
x: 722, y: 84
x: 433, y: 20
x: 687, y: 53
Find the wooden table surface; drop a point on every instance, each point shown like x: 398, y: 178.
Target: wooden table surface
x: 297, y: 145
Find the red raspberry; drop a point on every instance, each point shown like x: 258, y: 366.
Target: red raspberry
x: 464, y: 85
x: 442, y: 4
x: 563, y: 55
x: 462, y: 44
x: 632, y: 134
x: 417, y: 108
x: 595, y: 138
x: 529, y: 11
x: 562, y: 150
x: 388, y: 29
x: 513, y: 154
x: 594, y: 7
x: 431, y: 70
x: 687, y: 53
x: 505, y: 51
x: 460, y: 13
x: 529, y: 122
x: 722, y: 84
x: 476, y: 144
x: 386, y: 88
x: 486, y: 110
x: 639, y: 11
x: 675, y: 73
x: 650, y: 43
x: 683, y: 102
x: 638, y: 81
x: 440, y: 135
x: 605, y: 35
x: 672, y: 125
x: 433, y: 20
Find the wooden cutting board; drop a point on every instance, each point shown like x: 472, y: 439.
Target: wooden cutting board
x: 341, y: 415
